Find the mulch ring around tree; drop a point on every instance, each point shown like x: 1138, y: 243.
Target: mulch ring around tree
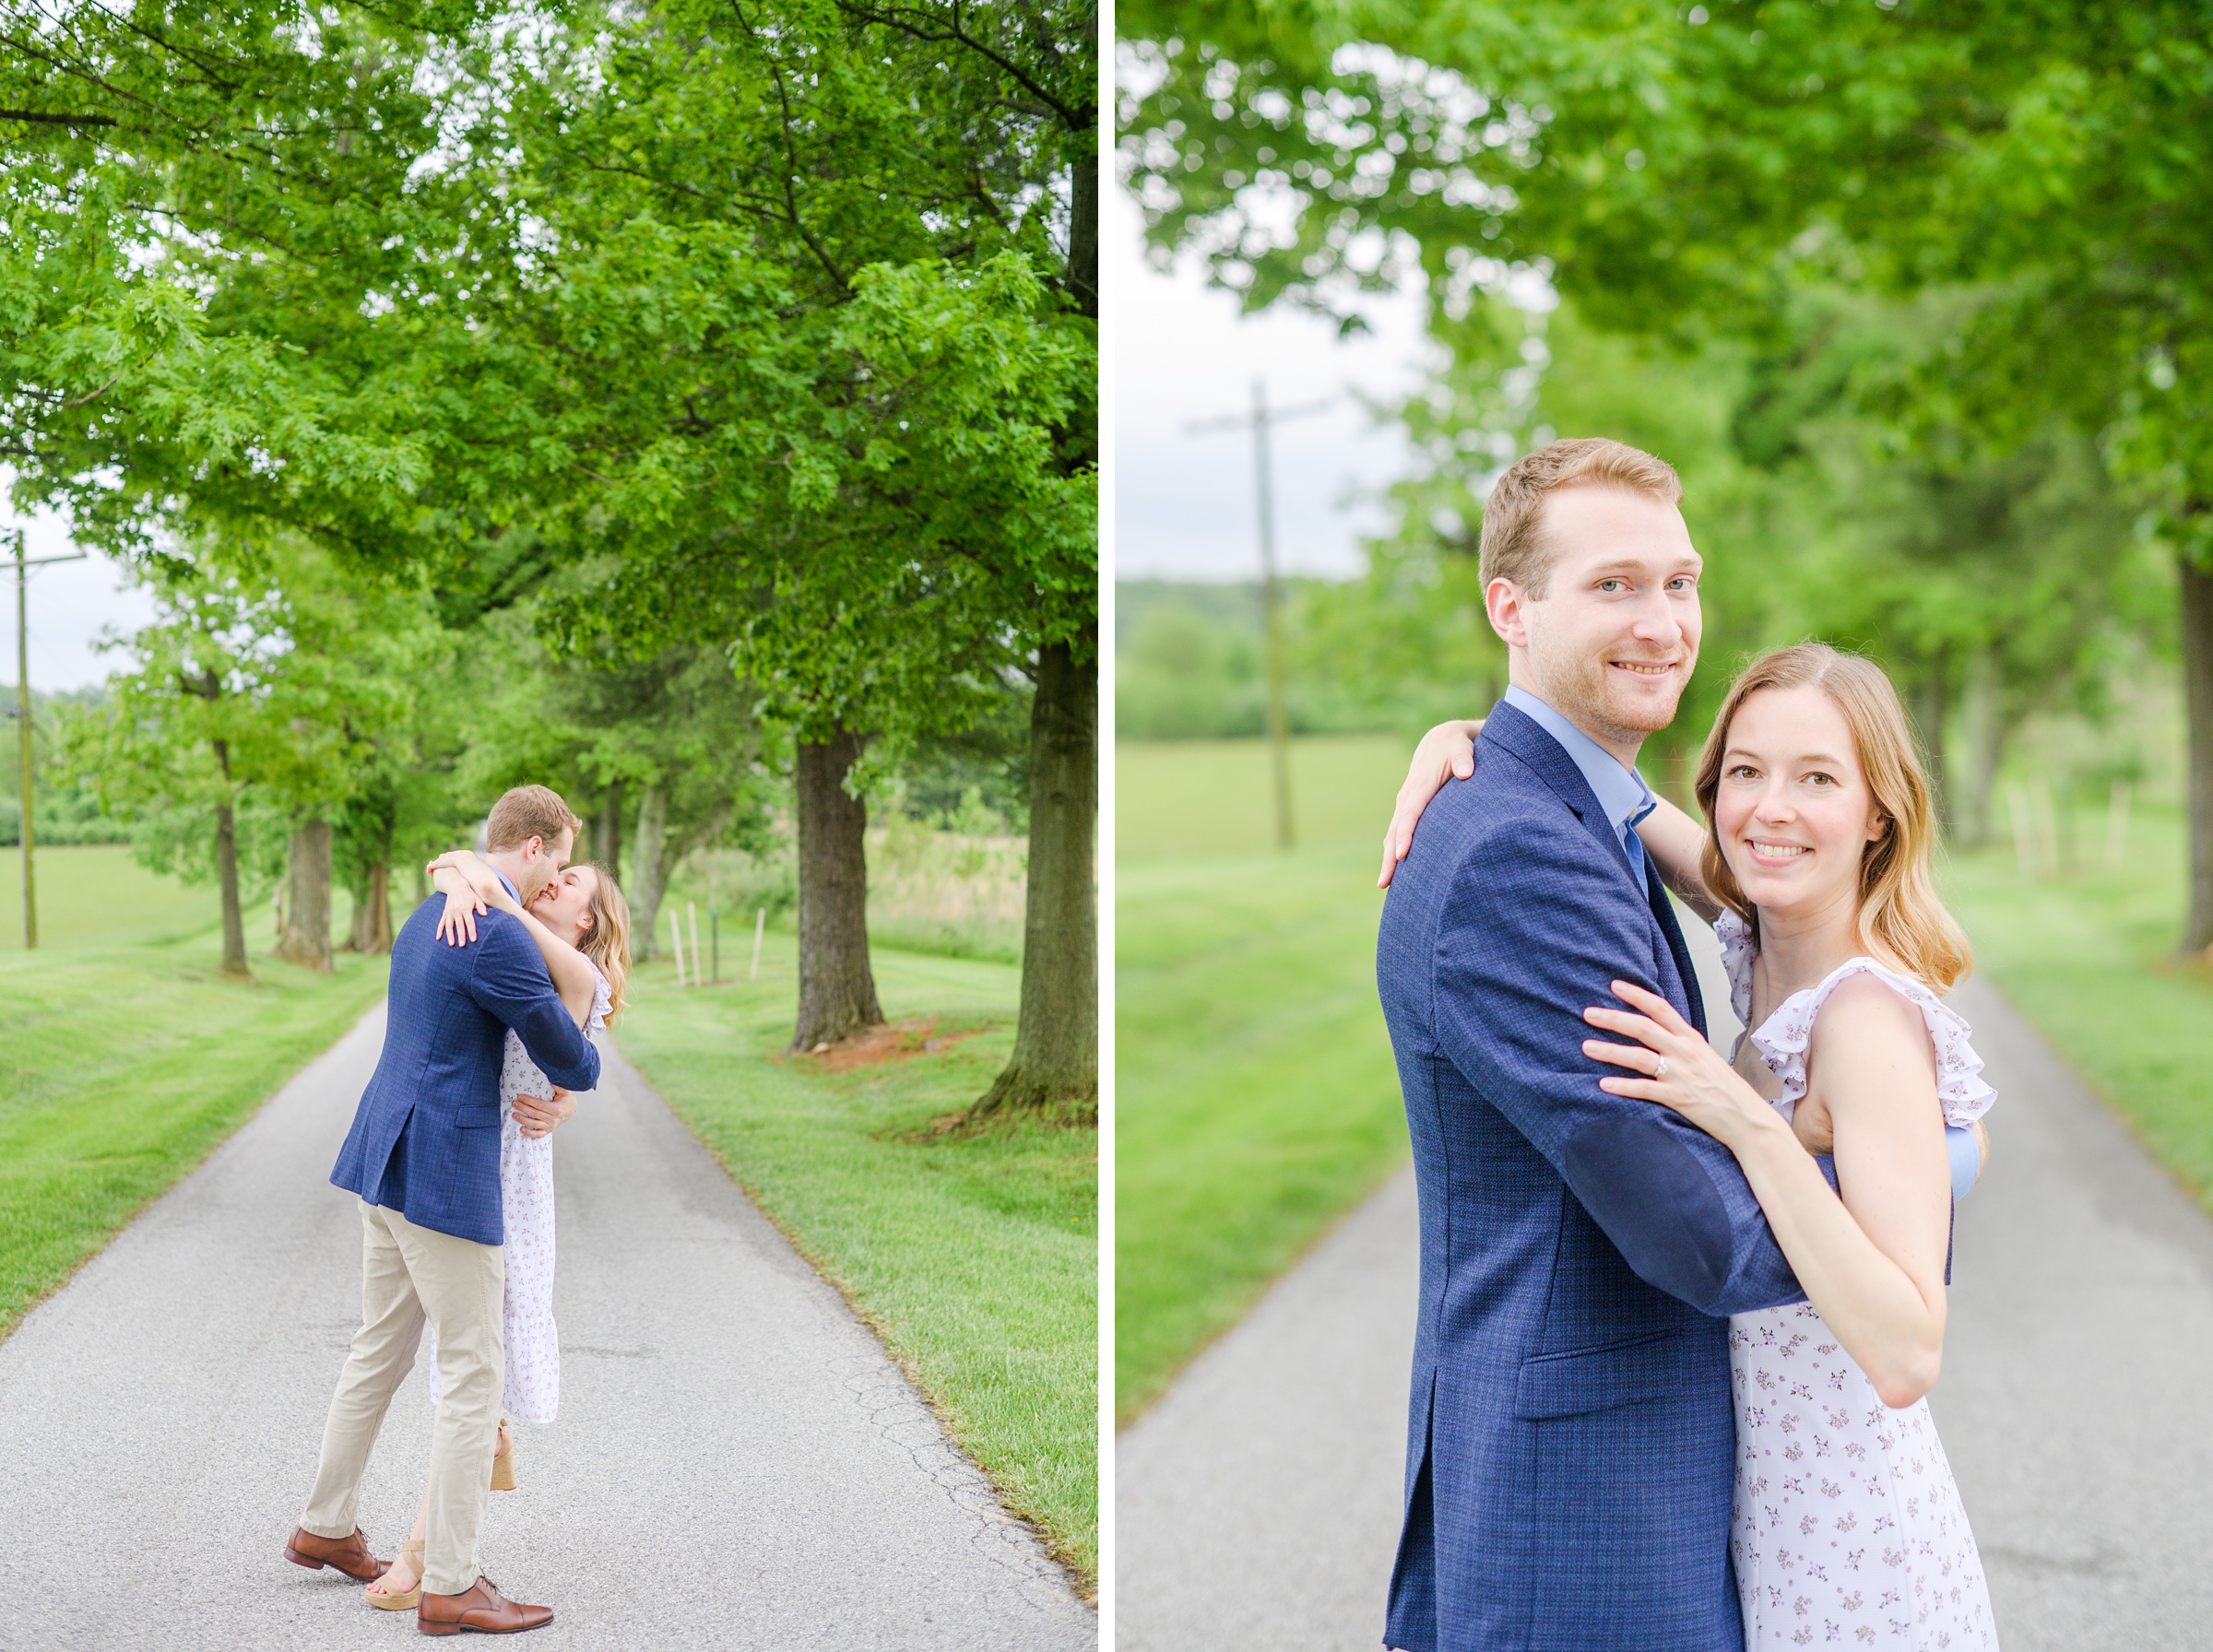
x: 894, y: 1040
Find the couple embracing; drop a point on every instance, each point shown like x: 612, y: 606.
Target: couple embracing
x: 1678, y: 1313
x: 499, y: 993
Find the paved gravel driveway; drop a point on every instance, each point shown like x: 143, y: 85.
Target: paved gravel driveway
x: 1259, y: 1501
x: 736, y: 1463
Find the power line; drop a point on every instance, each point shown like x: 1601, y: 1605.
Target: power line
x: 24, y: 834
x: 1259, y: 422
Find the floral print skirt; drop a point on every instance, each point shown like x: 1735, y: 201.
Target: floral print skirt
x: 1846, y: 1529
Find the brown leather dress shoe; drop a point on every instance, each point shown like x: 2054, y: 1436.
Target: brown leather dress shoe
x: 481, y: 1609
x: 348, y: 1554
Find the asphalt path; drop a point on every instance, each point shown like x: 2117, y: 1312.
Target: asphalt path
x: 737, y: 1462
x: 1259, y: 1501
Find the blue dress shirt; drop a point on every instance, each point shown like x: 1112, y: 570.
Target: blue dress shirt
x: 1620, y: 790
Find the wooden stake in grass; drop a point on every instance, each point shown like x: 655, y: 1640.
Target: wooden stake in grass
x: 676, y: 934
x: 2117, y: 827
x: 759, y: 923
x: 698, y: 976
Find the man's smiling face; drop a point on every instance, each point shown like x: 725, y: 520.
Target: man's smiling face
x: 1612, y: 642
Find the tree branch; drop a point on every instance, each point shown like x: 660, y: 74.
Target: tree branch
x: 34, y: 117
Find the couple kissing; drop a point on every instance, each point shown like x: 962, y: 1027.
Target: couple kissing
x: 502, y: 985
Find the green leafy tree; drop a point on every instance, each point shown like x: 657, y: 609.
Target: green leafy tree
x: 673, y: 735
x: 1682, y: 173
x: 864, y: 443
x: 183, y: 743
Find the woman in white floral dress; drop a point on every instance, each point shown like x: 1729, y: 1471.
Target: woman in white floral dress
x: 1846, y: 1527
x: 582, y: 926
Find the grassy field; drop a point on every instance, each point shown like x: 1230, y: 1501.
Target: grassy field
x: 125, y: 1057
x: 100, y: 897
x: 951, y: 893
x: 2089, y: 958
x: 1182, y: 797
x: 1256, y: 1101
x: 1255, y: 1098
x: 976, y: 1258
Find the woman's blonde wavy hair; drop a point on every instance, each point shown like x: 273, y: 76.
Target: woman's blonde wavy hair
x: 1899, y: 913
x: 607, y: 942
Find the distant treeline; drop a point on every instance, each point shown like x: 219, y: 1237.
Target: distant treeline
x: 1189, y: 664
x: 65, y: 809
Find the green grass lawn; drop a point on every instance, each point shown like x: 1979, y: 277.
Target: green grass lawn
x: 1255, y: 1100
x: 125, y: 1057
x: 2089, y: 958
x: 1176, y: 798
x: 975, y: 1258
x: 99, y: 896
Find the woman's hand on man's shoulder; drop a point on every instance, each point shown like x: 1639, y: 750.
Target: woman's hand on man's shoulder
x: 1446, y: 752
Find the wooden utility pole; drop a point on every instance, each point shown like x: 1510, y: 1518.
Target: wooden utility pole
x: 1271, y: 630
x: 24, y: 834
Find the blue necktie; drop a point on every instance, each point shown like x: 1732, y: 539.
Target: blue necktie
x: 1635, y: 846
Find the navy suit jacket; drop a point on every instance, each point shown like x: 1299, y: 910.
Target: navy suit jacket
x: 1571, y: 1441
x: 426, y: 1137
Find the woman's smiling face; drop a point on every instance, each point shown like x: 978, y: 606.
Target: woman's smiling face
x: 1793, y: 812
x: 564, y: 906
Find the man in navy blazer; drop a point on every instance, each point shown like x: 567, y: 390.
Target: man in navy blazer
x: 1570, y: 1443
x: 423, y: 1158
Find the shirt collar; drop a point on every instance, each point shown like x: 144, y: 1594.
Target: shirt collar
x: 1621, y: 792
x: 508, y: 883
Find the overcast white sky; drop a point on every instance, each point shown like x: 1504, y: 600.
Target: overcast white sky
x: 1184, y: 504
x: 71, y: 605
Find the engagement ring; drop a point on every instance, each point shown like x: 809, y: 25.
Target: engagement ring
x: 1661, y: 1072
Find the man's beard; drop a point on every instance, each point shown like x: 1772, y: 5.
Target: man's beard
x: 1582, y: 690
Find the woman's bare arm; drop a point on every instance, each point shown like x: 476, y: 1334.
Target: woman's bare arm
x: 1672, y: 838
x: 465, y: 881
x: 1676, y: 842
x: 1447, y: 750
x: 1871, y: 1262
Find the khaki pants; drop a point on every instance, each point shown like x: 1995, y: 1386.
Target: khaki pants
x: 407, y: 1274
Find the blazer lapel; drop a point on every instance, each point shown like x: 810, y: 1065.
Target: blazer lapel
x: 1519, y: 734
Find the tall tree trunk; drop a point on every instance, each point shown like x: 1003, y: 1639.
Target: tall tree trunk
x: 373, y: 913
x: 226, y: 873
x: 307, y: 898
x: 1932, y: 697
x: 1981, y: 739
x: 648, y: 879
x: 2197, y: 696
x: 1083, y: 235
x: 1055, y: 1066
x: 608, y: 851
x: 837, y: 989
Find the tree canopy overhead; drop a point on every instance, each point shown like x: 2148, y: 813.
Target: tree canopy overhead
x: 1688, y: 173
x: 764, y: 330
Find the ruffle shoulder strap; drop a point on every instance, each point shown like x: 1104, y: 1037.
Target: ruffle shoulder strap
x: 1782, y: 1039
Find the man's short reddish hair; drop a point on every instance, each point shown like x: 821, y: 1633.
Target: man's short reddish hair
x: 525, y: 812
x: 1514, y: 546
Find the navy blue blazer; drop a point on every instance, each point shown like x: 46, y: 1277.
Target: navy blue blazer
x: 1570, y: 1442
x: 426, y: 1137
